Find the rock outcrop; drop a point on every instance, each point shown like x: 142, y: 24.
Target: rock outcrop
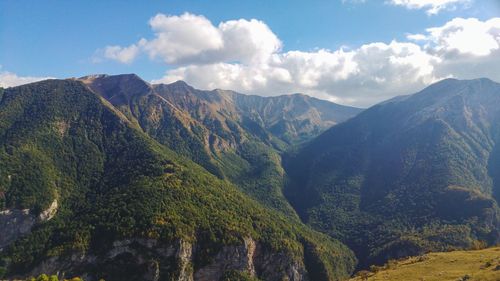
x: 151, y: 260
x: 15, y: 223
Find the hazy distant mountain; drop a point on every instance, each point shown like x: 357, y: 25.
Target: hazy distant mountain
x: 84, y: 191
x: 232, y: 135
x: 291, y: 118
x: 413, y: 174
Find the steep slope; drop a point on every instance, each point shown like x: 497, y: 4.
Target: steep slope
x: 289, y: 118
x: 89, y: 194
x: 234, y: 136
x: 412, y: 174
x: 292, y: 118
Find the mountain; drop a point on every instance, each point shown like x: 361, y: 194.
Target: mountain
x: 234, y: 136
x: 289, y: 118
x: 88, y: 187
x: 414, y: 174
x: 112, y: 177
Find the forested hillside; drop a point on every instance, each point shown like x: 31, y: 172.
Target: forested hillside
x: 111, y: 177
x: 414, y: 174
x: 234, y: 136
x: 85, y: 192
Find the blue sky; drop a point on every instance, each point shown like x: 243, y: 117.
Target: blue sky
x: 69, y: 38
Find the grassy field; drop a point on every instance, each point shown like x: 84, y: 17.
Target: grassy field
x: 480, y: 265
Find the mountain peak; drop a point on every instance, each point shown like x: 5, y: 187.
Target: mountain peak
x: 119, y: 78
x: 452, y: 81
x: 178, y: 86
x: 179, y: 83
x: 117, y: 88
x: 93, y: 77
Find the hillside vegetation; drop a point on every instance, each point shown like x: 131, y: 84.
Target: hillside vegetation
x: 112, y: 177
x: 119, y: 192
x: 479, y: 265
x: 234, y: 136
x: 414, y: 174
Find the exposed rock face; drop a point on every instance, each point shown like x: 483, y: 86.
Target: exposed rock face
x: 238, y: 257
x: 184, y: 257
x: 250, y: 246
x: 48, y: 214
x: 15, y: 223
x: 58, y: 266
x: 150, y: 259
x: 251, y: 257
x: 267, y: 264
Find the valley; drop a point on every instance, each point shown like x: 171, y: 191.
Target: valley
x: 177, y: 183
x: 171, y: 140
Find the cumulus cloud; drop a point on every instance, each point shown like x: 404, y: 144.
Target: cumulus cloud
x: 180, y: 38
x: 246, y: 56
x: 9, y: 79
x: 432, y: 7
x: 465, y: 37
x: 361, y: 76
x: 192, y: 38
x: 468, y: 48
x: 248, y: 41
x: 121, y: 54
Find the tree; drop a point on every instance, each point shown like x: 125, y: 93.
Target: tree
x: 42, y: 277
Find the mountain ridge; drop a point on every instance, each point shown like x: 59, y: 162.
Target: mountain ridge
x: 413, y: 170
x: 236, y: 99
x: 226, y: 132
x: 129, y: 207
x: 227, y: 176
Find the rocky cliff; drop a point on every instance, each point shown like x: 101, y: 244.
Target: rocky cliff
x: 150, y: 260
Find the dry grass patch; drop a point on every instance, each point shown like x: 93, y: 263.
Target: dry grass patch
x: 480, y: 265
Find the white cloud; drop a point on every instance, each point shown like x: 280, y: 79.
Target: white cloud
x: 246, y: 56
x: 468, y: 48
x: 121, y: 54
x: 248, y: 41
x: 466, y: 36
x: 179, y: 38
x: 188, y: 39
x: 9, y: 79
x: 416, y: 37
x: 432, y: 7
x: 362, y: 76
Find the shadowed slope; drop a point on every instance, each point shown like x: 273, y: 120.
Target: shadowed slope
x: 412, y: 174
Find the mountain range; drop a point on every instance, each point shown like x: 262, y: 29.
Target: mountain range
x: 97, y: 179
x: 234, y: 136
x: 108, y: 176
